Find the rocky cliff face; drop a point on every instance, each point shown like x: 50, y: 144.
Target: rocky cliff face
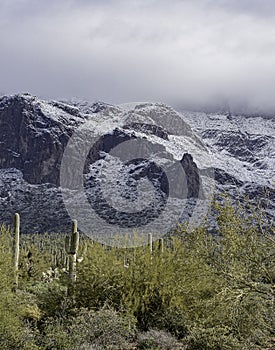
x: 32, y: 139
x: 35, y: 134
x: 243, y: 153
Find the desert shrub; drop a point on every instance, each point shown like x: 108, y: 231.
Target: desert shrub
x: 238, y: 315
x: 102, y: 329
x: 145, y: 287
x: 173, y: 320
x: 158, y: 340
x: 106, y: 328
x: 32, y: 264
x: 100, y: 278
x: 13, y: 333
x: 54, y: 334
x: 52, y: 299
x: 206, y: 286
x: 212, y: 338
x: 210, y: 291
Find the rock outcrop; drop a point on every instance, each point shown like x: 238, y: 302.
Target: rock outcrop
x: 35, y: 134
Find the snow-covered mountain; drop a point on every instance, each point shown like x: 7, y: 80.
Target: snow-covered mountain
x: 244, y: 152
x: 115, y: 168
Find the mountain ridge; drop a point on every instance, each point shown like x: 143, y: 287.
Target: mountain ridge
x: 35, y: 134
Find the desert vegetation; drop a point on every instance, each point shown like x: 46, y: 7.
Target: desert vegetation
x: 189, y: 290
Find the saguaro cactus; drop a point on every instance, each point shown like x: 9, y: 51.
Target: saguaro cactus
x: 161, y: 245
x: 16, y: 248
x: 150, y: 242
x: 71, y: 247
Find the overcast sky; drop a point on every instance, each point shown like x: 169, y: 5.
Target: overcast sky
x: 181, y: 52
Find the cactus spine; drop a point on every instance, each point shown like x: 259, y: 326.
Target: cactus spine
x: 16, y: 248
x: 71, y: 247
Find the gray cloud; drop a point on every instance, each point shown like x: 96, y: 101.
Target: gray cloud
x: 257, y: 8
x: 192, y: 53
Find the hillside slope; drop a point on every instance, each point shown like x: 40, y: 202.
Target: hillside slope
x: 163, y: 171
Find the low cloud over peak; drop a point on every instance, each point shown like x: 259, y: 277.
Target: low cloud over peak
x: 186, y: 53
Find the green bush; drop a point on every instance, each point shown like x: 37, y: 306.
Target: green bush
x: 208, y: 291
x: 103, y: 329
x: 210, y: 286
x: 158, y: 340
x: 13, y: 333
